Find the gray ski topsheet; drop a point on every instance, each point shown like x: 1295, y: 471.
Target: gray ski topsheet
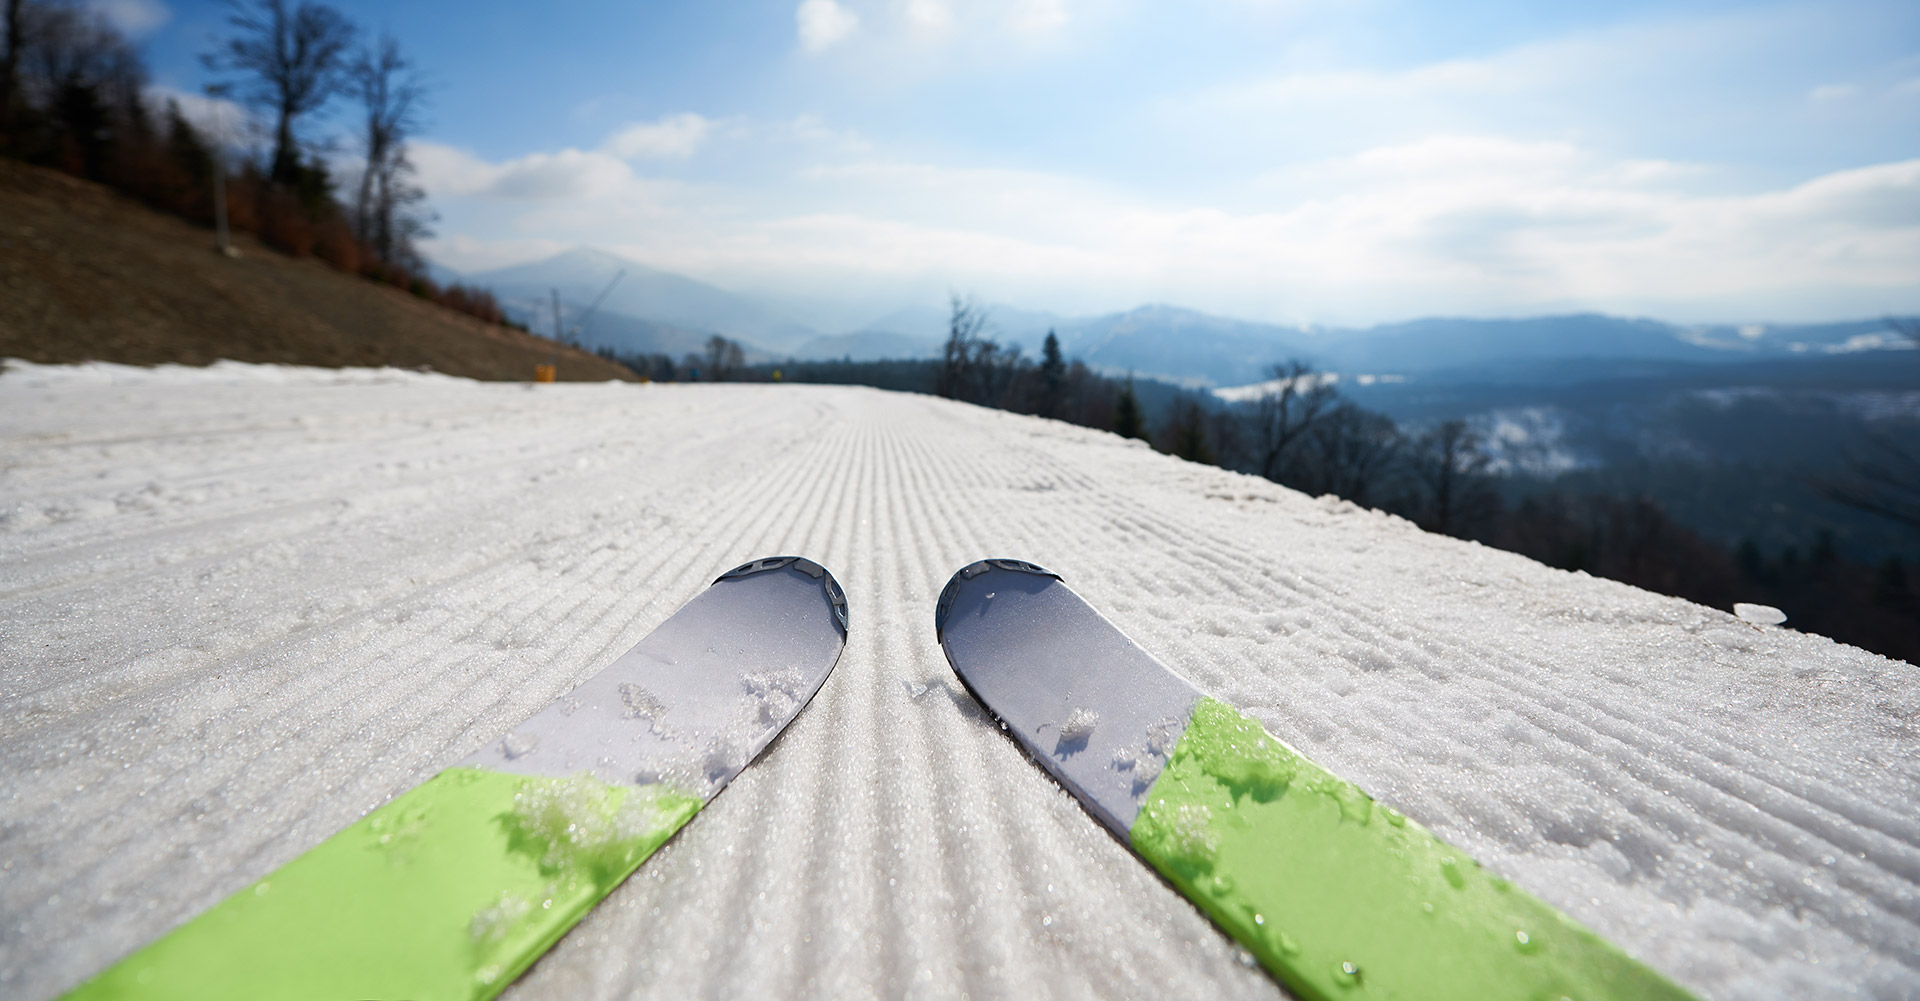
x: 1086, y: 702
x: 696, y: 700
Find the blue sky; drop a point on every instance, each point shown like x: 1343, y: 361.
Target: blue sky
x: 1310, y: 161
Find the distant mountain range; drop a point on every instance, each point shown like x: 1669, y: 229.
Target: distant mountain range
x: 653, y: 311
x: 668, y: 301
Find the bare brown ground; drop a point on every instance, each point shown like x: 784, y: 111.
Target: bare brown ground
x: 88, y: 274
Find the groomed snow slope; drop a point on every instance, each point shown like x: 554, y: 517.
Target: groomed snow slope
x: 243, y: 606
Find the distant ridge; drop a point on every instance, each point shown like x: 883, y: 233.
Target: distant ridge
x: 643, y: 293
x: 652, y: 311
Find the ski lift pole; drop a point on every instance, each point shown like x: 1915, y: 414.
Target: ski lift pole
x: 216, y: 92
x: 587, y: 317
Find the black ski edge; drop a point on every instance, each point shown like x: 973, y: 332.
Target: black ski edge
x: 835, y: 596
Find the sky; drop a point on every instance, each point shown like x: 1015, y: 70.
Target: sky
x: 1297, y: 161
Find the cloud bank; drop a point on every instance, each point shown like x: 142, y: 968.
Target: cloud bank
x: 823, y: 23
x: 1697, y: 168
x: 1448, y: 223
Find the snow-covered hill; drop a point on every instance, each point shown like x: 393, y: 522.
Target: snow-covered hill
x: 242, y: 606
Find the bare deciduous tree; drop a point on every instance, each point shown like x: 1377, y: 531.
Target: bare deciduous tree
x: 382, y: 79
x: 972, y: 367
x: 63, y: 46
x: 965, y: 321
x: 1285, y: 413
x: 83, y: 80
x: 297, y: 61
x: 1353, y: 452
x: 1451, y: 470
x: 724, y: 358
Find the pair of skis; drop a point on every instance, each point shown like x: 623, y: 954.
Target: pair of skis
x: 455, y: 887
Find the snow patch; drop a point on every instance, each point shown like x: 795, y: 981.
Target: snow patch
x: 772, y: 697
x: 1144, y: 759
x: 582, y: 824
x: 332, y: 591
x: 514, y: 745
x: 1075, y: 732
x: 640, y: 703
x: 1759, y: 615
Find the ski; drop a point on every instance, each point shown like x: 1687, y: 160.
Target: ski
x: 452, y: 889
x: 1338, y: 896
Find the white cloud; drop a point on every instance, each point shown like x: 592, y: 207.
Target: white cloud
x: 211, y: 116
x: 134, y: 18
x: 1497, y: 184
x: 1460, y: 77
x: 1447, y: 223
x: 445, y: 170
x: 672, y: 137
x: 567, y: 174
x: 1476, y: 155
x: 823, y: 23
x: 928, y: 17
x: 905, y: 40
x: 1832, y: 92
x: 468, y: 255
x: 1666, y: 78
x: 1038, y: 17
x: 814, y: 129
x: 1536, y: 226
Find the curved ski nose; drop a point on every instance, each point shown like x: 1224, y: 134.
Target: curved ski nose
x: 835, y: 596
x: 969, y: 572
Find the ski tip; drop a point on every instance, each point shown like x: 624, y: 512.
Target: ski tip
x: 835, y: 596
x: 969, y: 572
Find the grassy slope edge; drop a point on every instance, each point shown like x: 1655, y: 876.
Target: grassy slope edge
x: 87, y: 274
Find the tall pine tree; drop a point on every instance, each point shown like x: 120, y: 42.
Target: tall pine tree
x: 1128, y: 421
x: 1053, y: 376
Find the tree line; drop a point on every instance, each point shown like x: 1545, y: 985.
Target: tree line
x: 720, y: 359
x: 74, y: 97
x: 1299, y: 432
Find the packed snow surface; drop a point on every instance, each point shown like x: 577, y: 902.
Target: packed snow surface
x: 245, y: 605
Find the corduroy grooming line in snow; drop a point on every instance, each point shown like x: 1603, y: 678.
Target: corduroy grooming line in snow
x: 1338, y: 896
x: 454, y: 888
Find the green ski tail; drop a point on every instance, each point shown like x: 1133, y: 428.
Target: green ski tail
x: 447, y: 892
x: 1342, y: 898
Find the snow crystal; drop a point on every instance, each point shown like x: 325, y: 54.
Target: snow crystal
x: 640, y: 703
x: 1075, y: 731
x: 698, y: 768
x: 584, y: 824
x: 516, y: 744
x: 1193, y: 839
x: 1145, y: 759
x: 1079, y: 725
x: 772, y: 697
x: 1759, y: 615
